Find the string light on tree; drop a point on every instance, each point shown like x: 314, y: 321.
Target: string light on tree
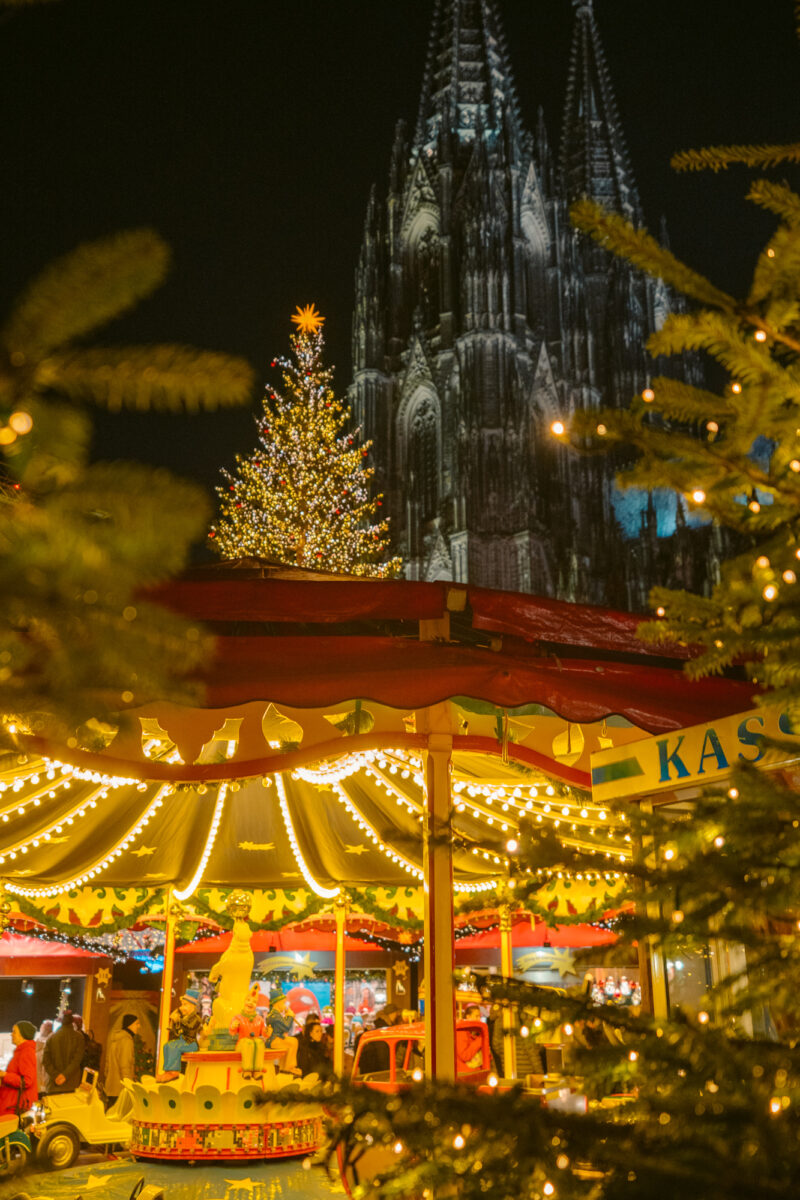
x: 303, y: 496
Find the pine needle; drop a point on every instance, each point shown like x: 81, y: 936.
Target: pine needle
x: 172, y: 378
x: 719, y: 158
x: 638, y: 247
x: 84, y: 290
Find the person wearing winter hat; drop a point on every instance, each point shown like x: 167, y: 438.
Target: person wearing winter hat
x: 62, y: 1057
x: 279, y: 1022
x: 185, y: 1026
x: 18, y: 1087
x: 120, y: 1057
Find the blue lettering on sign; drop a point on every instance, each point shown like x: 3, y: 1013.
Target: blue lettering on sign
x: 712, y: 748
x: 664, y: 759
x: 749, y: 737
x: 785, y: 725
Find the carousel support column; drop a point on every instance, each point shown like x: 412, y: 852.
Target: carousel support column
x: 340, y: 912
x: 507, y: 971
x: 440, y: 1008
x: 172, y: 915
x: 652, y: 968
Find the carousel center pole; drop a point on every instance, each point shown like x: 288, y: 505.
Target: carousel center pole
x: 507, y: 969
x: 340, y: 912
x: 440, y: 1006
x: 172, y: 913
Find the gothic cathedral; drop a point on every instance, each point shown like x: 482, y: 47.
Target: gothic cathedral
x: 481, y: 317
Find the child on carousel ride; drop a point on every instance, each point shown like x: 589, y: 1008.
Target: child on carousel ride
x: 279, y: 1023
x: 185, y: 1027
x: 248, y: 1026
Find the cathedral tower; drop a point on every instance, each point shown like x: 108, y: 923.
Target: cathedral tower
x: 481, y: 317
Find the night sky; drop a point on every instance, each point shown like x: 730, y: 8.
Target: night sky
x: 248, y: 133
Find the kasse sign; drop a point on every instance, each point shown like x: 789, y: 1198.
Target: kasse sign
x: 690, y: 757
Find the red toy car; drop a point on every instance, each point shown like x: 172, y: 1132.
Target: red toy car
x: 391, y: 1059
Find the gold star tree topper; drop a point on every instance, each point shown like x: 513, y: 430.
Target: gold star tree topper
x: 307, y: 319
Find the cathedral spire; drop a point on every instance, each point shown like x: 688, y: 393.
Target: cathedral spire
x: 468, y: 81
x: 594, y: 157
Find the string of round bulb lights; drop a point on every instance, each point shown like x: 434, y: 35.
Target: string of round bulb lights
x: 316, y: 887
x: 56, y: 826
x: 181, y: 894
x: 100, y: 864
x: 393, y: 855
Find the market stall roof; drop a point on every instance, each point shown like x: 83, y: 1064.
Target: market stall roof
x: 303, y: 768
x: 298, y: 941
x: 20, y: 945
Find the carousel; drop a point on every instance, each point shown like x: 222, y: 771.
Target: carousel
x: 363, y: 759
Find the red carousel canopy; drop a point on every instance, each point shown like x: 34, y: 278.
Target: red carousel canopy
x: 312, y: 642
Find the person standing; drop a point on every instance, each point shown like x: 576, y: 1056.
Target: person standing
x: 62, y: 1057
x: 120, y: 1057
x: 45, y: 1031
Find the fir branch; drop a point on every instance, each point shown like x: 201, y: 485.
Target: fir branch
x: 82, y: 291
x: 148, y: 377
x: 776, y: 273
x: 638, y: 247
x: 777, y: 198
x: 720, y: 336
x: 719, y: 158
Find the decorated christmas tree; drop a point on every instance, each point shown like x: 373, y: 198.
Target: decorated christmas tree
x: 703, y: 1102
x: 302, y: 498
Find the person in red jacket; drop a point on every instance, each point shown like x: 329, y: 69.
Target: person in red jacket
x: 18, y: 1087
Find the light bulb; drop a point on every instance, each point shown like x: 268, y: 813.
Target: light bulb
x: 698, y: 495
x: 557, y: 428
x: 648, y: 395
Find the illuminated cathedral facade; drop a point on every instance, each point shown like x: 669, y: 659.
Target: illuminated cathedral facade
x: 481, y: 317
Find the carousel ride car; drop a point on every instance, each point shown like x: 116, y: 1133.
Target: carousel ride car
x: 66, y: 1122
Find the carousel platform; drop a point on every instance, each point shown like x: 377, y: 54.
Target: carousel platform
x: 213, y: 1112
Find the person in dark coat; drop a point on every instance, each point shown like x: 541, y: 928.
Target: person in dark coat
x: 62, y: 1057
x: 121, y: 1057
x: 313, y: 1050
x: 18, y: 1087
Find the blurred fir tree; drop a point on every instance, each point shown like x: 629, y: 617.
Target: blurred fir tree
x: 713, y: 1092
x: 302, y: 498
x: 78, y: 541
